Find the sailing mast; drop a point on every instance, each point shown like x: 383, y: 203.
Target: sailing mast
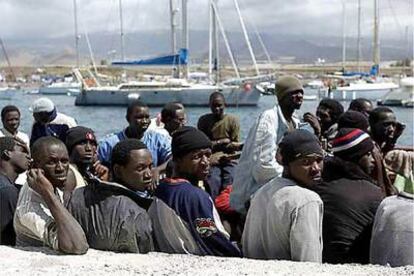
x: 121, y: 25
x: 184, y: 23
x: 376, y: 54
x: 359, y: 37
x: 12, y: 75
x: 75, y: 14
x: 214, y: 61
x: 173, y: 12
x: 343, y: 34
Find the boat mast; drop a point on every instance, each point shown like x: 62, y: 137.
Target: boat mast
x: 343, y: 34
x: 376, y: 54
x: 121, y: 25
x: 12, y: 75
x: 214, y: 61
x: 173, y: 24
x: 184, y: 34
x: 75, y: 14
x: 246, y: 37
x: 359, y: 37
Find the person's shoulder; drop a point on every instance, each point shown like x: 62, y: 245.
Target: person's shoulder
x: 63, y: 118
x: 8, y: 192
x: 292, y: 192
x: 113, y: 137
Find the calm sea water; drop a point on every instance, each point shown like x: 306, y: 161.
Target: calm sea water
x: 105, y: 120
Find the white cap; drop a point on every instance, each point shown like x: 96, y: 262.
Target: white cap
x: 42, y: 105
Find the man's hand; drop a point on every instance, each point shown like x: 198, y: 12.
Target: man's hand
x: 313, y: 122
x: 233, y: 146
x: 101, y: 171
x: 39, y: 183
x: 155, y: 180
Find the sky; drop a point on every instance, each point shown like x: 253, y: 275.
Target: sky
x: 54, y: 18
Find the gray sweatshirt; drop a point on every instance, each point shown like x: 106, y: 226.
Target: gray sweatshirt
x: 392, y: 235
x: 284, y: 222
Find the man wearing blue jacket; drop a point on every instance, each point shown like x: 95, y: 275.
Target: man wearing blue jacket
x: 183, y: 215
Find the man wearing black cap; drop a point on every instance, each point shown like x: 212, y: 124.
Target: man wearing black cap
x: 113, y: 214
x: 284, y: 221
x: 257, y: 163
x: 84, y: 164
x: 350, y: 198
x: 183, y: 215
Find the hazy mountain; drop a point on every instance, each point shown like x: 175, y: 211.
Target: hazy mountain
x: 106, y: 46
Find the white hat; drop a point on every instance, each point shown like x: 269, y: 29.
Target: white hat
x: 42, y: 105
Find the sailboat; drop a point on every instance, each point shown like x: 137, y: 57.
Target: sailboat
x: 370, y: 86
x: 158, y: 93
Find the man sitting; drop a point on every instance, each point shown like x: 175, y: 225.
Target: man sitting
x: 183, y: 215
x: 113, y: 214
x: 14, y: 160
x: 284, y: 221
x: 41, y: 218
x: 350, y: 198
x: 82, y: 147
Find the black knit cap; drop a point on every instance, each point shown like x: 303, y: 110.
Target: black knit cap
x: 186, y: 139
x: 297, y: 144
x: 78, y: 134
x: 353, y: 119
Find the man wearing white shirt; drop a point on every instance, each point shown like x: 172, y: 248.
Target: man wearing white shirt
x: 10, y: 117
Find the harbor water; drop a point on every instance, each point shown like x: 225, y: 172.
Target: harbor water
x: 105, y: 120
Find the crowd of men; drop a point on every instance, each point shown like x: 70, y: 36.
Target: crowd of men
x: 332, y: 186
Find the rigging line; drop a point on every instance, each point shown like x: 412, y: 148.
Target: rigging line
x: 396, y: 21
x: 259, y: 37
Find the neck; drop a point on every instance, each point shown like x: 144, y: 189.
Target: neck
x: 13, y: 132
x: 287, y: 112
x: 131, y: 133
x: 8, y: 171
x: 193, y: 180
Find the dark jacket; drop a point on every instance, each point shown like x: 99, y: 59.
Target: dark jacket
x: 350, y: 201
x: 9, y: 192
x: 113, y: 217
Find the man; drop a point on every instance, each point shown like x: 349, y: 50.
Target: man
x: 183, y: 215
x: 257, y: 163
x: 49, y: 122
x: 14, y: 160
x: 284, y: 221
x: 392, y: 241
x: 41, y: 218
x: 224, y: 132
x: 10, y: 117
x: 139, y: 119
x: 84, y: 164
x: 385, y: 129
x: 173, y: 117
x: 128, y: 227
x: 350, y: 198
x: 361, y: 105
x: 328, y: 113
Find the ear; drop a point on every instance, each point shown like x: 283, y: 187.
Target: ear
x: 5, y: 155
x: 117, y: 171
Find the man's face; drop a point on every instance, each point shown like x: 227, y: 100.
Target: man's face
x: 324, y: 117
x: 84, y: 152
x: 54, y: 161
x: 20, y: 158
x: 367, y: 163
x: 217, y: 106
x: 385, y: 127
x: 42, y: 117
x: 175, y: 123
x: 195, y: 164
x: 136, y: 174
x: 139, y: 119
x: 307, y: 171
x: 11, y: 121
x: 293, y: 99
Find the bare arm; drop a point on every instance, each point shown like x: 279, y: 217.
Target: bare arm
x: 70, y: 236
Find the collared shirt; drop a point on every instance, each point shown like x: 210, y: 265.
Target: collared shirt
x: 392, y: 239
x: 284, y: 222
x: 33, y: 221
x: 257, y: 163
x: 158, y: 144
x: 9, y: 193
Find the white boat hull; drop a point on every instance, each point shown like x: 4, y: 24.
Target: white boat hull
x: 60, y: 90
x: 191, y: 96
x: 373, y: 93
